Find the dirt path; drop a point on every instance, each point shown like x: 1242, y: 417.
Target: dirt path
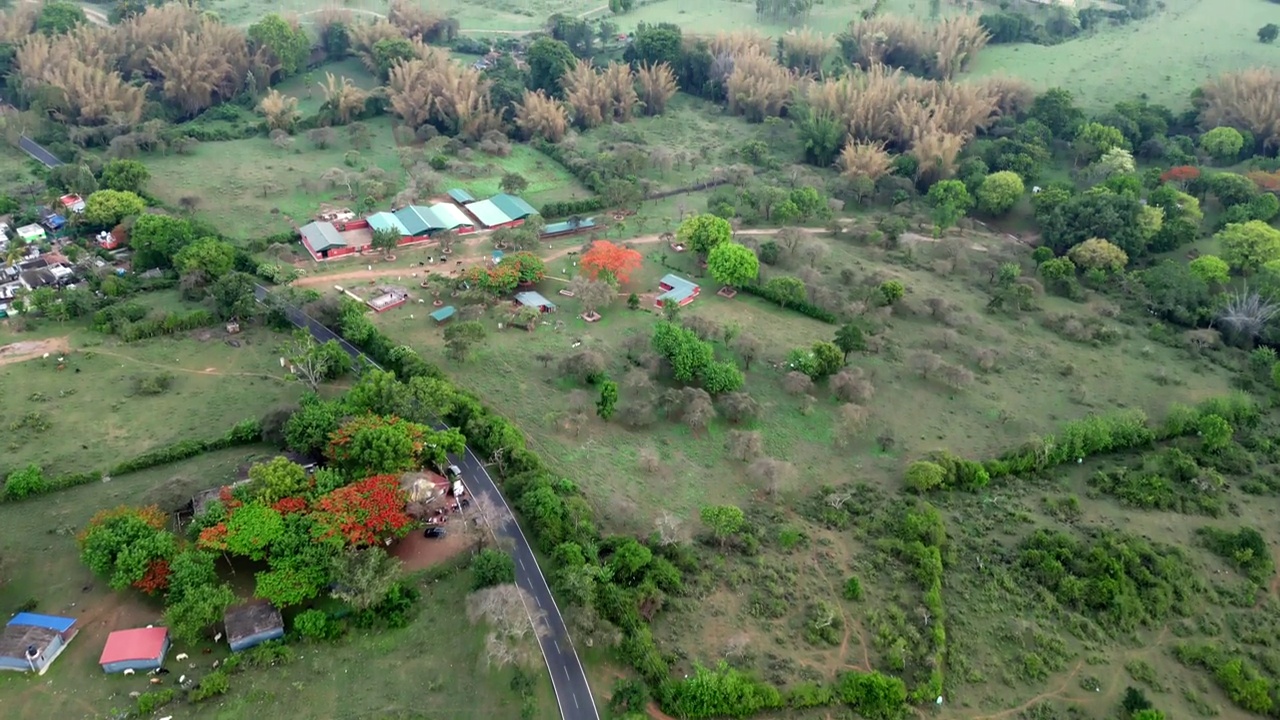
x: 1038, y: 698
x: 28, y: 349
x: 469, y: 259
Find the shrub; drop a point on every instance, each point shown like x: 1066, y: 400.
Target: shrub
x: 803, y: 307
x: 571, y: 207
x: 873, y: 695
x: 853, y: 589
x: 211, y: 685
x: 923, y: 476
x: 490, y: 567
x: 25, y: 483
x: 315, y: 625
x: 723, y: 692
x: 149, y: 702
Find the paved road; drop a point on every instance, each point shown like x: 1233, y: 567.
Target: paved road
x: 568, y: 679
x: 32, y: 148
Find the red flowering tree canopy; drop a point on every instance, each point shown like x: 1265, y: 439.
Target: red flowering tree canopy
x: 500, y: 279
x: 1180, y: 174
x: 374, y: 444
x: 529, y: 267
x: 155, y: 579
x: 130, y: 547
x: 1268, y: 181
x: 366, y: 512
x: 617, y: 261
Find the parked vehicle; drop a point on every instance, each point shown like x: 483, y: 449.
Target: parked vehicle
x: 458, y: 489
x: 435, y: 532
x: 453, y: 472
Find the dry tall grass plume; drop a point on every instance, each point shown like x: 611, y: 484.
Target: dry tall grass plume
x: 1245, y: 100
x: 343, y: 100
x: 85, y: 90
x: 937, y: 50
x: 936, y: 153
x: 415, y: 21
x: 433, y: 88
x: 739, y: 42
x: 1011, y: 95
x: 657, y: 85
x: 599, y: 98
x: 540, y: 116
x: 806, y: 50
x: 365, y: 35
x: 18, y: 22
x: 758, y: 87
x: 865, y: 159
x: 280, y: 111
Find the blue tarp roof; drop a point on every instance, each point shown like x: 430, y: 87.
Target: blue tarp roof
x: 512, y: 206
x: 462, y: 196
x: 58, y: 624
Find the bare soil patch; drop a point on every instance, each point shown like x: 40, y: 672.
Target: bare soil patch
x: 418, y: 552
x: 27, y: 349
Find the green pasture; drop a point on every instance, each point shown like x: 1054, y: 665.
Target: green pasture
x: 91, y: 414
x: 481, y: 15
x: 1162, y: 58
x: 380, y: 673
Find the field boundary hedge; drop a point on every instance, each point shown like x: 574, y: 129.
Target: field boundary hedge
x: 245, y: 432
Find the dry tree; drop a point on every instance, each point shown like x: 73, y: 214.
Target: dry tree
x: 1245, y: 100
x: 414, y: 21
x: 365, y: 35
x: 936, y: 153
x: 758, y: 87
x: 191, y: 71
x: 805, y: 50
x: 739, y: 42
x: 540, y: 116
x: 657, y: 85
x: 280, y: 111
x: 343, y: 100
x: 865, y: 159
x: 1010, y: 95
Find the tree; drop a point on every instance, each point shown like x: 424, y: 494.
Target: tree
x: 1056, y: 110
x: 688, y: 355
x: 210, y: 256
x: 492, y: 567
x: 385, y: 240
x: 106, y: 208
x: 367, y: 512
x: 460, y: 337
x: 703, y: 232
x: 123, y: 545
x: 787, y: 291
x: 748, y: 348
x: 1211, y: 269
x: 277, y: 479
x: 373, y: 444
x: 999, y: 192
x: 250, y: 530
x: 950, y: 200
x: 155, y: 239
x: 362, y: 577
x: 1098, y: 254
x: 614, y: 261
x: 733, y: 264
x: 513, y: 183
x: 1268, y: 33
x: 1093, y: 140
x: 827, y: 359
x: 287, y: 41
x: 608, y: 402
x: 549, y: 60
x: 312, y: 362
x: 125, y: 176
x: 1222, y: 143
x: 593, y: 294
x: 196, y: 599
x: 1250, y: 245
x: 923, y: 476
x: 719, y: 378
x: 724, y: 521
x: 60, y: 18
x: 850, y: 338
x: 233, y: 296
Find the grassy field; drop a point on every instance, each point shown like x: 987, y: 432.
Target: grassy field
x: 90, y: 415
x: 482, y: 15
x: 378, y: 674
x: 15, y: 167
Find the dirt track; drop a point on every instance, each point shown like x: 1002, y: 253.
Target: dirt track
x: 28, y: 349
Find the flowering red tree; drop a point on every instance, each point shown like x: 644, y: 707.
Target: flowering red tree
x: 366, y: 512
x: 499, y: 279
x: 290, y: 505
x: 605, y: 257
x: 1180, y: 174
x: 1268, y: 181
x: 213, y: 537
x: 155, y: 579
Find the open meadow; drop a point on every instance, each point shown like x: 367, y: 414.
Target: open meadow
x: 112, y: 400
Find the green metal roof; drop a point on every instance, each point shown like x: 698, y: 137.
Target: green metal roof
x: 488, y: 213
x: 462, y: 196
x: 449, y: 216
x: 385, y: 221
x: 512, y: 206
x: 680, y: 288
x: 321, y: 236
x: 568, y: 226
x: 444, y: 313
x: 416, y: 219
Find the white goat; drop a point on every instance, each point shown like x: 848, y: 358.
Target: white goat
x: 128, y: 671
x: 180, y: 657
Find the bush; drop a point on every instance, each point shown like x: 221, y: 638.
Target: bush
x: 853, y: 589
x: 490, y: 567
x: 25, y: 483
x: 315, y: 625
x: 923, y: 476
x: 565, y: 208
x: 211, y: 685
x: 803, y: 307
x: 723, y: 692
x: 872, y: 695
x: 149, y: 702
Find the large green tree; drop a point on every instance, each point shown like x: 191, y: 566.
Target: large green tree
x: 362, y: 577
x: 233, y: 296
x: 285, y: 40
x: 106, y: 208
x: 733, y: 264
x: 999, y: 192
x: 702, y: 233
x: 950, y: 200
x: 277, y: 479
x: 549, y: 60
x: 209, y: 256
x: 156, y: 239
x: 58, y: 18
x: 122, y: 544
x: 1250, y: 245
x: 197, y: 598
x: 125, y: 175
x: 251, y: 530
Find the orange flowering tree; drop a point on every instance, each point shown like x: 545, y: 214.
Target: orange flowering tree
x: 129, y: 546
x: 614, y: 261
x: 364, y: 513
x: 1180, y: 174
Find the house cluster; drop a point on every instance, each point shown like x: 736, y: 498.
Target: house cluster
x: 31, y: 642
x: 462, y: 214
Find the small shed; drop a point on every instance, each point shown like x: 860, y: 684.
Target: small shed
x: 535, y: 300
x: 443, y: 314
x: 74, y: 203
x: 137, y: 649
x: 31, y: 642
x: 322, y: 238
x: 513, y: 206
x: 568, y: 227
x: 31, y: 234
x: 676, y: 289
x: 252, y: 624
x: 461, y: 196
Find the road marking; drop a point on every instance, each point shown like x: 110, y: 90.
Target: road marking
x: 575, y: 700
x: 557, y: 642
x: 522, y: 567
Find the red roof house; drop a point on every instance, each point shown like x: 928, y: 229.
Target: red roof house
x: 137, y: 649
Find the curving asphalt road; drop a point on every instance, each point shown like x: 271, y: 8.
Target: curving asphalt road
x: 568, y: 678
